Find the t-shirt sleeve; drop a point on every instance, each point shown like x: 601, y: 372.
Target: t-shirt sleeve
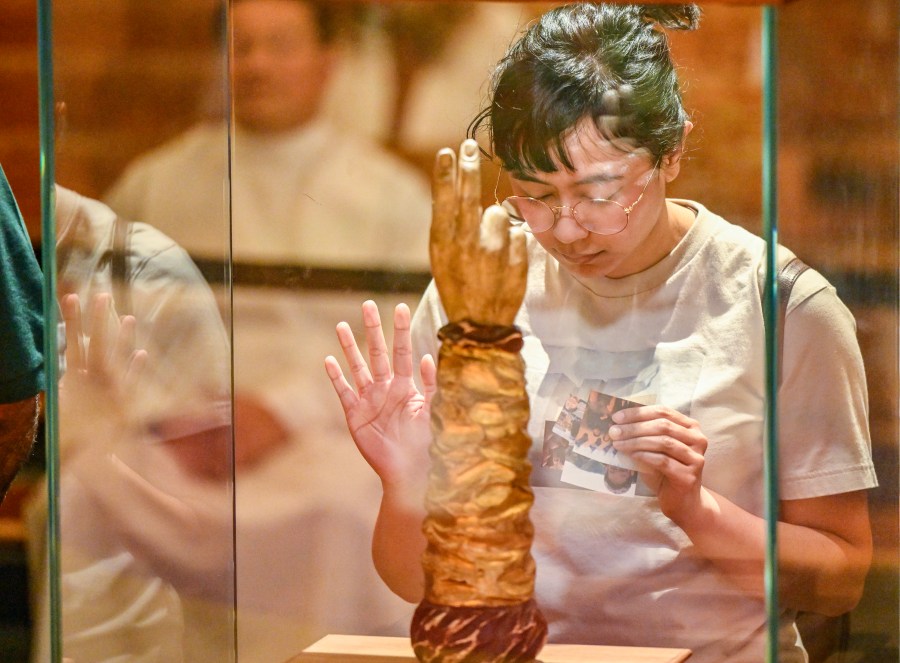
x: 825, y: 446
x: 21, y: 308
x: 188, y: 376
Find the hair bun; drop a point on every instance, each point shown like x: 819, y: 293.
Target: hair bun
x: 672, y: 17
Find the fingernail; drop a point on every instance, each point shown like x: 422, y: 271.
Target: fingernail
x: 615, y: 431
x: 445, y: 158
x: 618, y: 417
x: 469, y: 149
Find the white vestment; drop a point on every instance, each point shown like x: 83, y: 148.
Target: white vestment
x: 316, y: 199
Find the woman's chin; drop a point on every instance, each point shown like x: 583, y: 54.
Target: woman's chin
x: 590, y: 266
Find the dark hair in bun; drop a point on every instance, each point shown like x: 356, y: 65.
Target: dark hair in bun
x: 609, y: 63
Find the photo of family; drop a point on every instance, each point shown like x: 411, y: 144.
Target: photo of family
x: 578, y: 443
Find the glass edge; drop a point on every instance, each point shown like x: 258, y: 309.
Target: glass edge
x: 769, y: 47
x: 46, y: 112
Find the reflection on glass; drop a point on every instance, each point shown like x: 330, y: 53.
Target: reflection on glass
x: 144, y: 552
x: 147, y: 386
x: 838, y: 178
x: 315, y: 210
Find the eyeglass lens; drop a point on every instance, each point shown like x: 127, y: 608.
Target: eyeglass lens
x: 603, y: 217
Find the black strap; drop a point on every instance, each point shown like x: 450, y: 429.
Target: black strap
x: 786, y: 278
x: 119, y: 266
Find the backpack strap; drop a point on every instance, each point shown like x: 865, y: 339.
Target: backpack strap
x: 119, y: 265
x: 786, y: 278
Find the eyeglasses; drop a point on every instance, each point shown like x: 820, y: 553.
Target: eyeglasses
x: 599, y: 215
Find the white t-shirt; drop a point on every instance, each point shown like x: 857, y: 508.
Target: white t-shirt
x: 688, y: 333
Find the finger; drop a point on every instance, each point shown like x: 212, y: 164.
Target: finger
x: 518, y: 253
x: 493, y: 243
x: 428, y: 371
x: 379, y: 361
x: 359, y: 370
x: 342, y: 388
x: 650, y: 412
x: 443, y: 205
x: 661, y: 446
x: 469, y: 215
x: 658, y: 446
x: 515, y: 271
x: 675, y: 472
x: 660, y: 420
x: 137, y: 363
x: 98, y: 346
x: 125, y: 341
x: 494, y: 233
x: 648, y: 421
x: 402, y: 342
x: 71, y: 309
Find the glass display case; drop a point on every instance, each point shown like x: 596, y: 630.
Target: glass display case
x: 224, y: 182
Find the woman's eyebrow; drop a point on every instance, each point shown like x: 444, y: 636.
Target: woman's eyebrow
x: 600, y: 178
x: 525, y: 177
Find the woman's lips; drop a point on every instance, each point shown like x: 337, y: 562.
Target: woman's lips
x: 578, y: 258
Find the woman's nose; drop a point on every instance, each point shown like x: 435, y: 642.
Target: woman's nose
x: 567, y: 229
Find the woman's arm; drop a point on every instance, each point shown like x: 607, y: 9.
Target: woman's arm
x: 398, y: 542
x: 824, y: 548
x: 824, y: 543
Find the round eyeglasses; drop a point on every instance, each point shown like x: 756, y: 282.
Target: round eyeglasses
x: 599, y: 215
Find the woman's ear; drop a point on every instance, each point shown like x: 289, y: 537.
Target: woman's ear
x: 670, y: 165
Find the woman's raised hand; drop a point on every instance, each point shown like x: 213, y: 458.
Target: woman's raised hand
x: 103, y: 370
x: 388, y: 417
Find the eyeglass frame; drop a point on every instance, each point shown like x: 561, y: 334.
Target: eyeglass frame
x: 556, y: 211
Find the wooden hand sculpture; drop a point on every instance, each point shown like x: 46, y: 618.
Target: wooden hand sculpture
x: 478, y: 260
x: 479, y: 572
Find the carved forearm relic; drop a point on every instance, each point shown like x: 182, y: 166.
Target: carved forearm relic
x: 479, y: 571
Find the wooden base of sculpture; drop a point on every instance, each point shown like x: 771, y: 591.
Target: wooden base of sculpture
x: 454, y: 634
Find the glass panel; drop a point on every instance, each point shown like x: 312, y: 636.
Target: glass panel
x: 326, y: 175
x: 323, y: 217
x: 838, y: 183
x: 311, y: 241
x: 144, y: 490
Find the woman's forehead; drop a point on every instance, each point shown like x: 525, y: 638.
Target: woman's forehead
x: 591, y: 154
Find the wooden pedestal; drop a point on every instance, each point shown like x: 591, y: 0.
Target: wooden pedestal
x: 370, y: 649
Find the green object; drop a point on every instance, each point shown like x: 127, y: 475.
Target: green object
x: 21, y: 309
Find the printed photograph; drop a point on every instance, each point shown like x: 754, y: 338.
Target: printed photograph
x: 568, y: 422
x: 555, y: 450
x: 593, y: 440
x: 593, y: 475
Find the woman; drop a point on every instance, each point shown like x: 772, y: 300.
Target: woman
x: 656, y: 300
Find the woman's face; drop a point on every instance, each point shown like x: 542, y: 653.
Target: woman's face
x: 602, y: 170
x: 618, y: 477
